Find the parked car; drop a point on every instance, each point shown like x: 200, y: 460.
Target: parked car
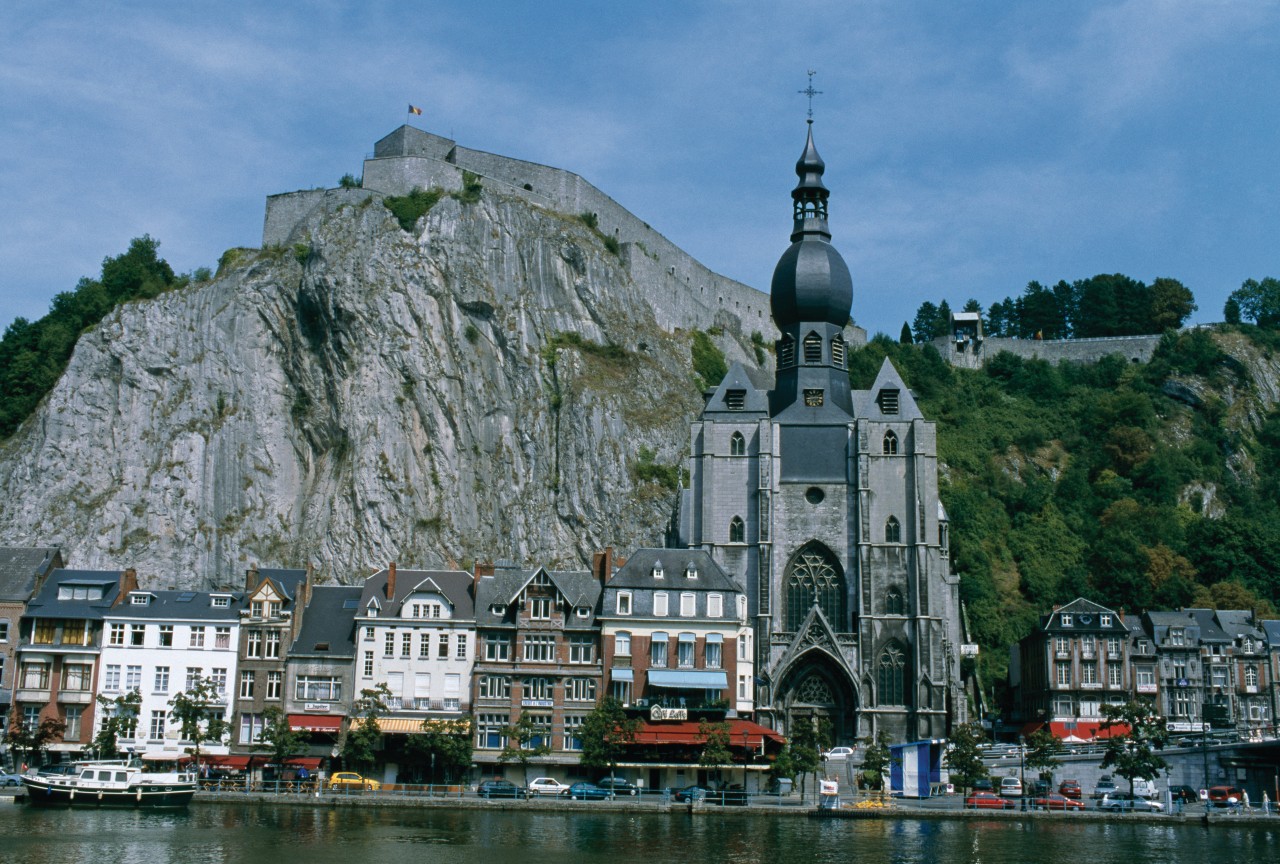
x: 1071, y: 789
x: 1225, y: 796
x: 1144, y: 788
x: 983, y: 784
x: 1105, y: 786
x: 1011, y: 787
x: 352, y: 780
x: 1039, y: 788
x: 838, y: 754
x: 1055, y: 801
x: 10, y: 779
x: 500, y: 789
x: 689, y: 793
x: 730, y: 796
x: 618, y: 786
x: 1124, y: 802
x: 987, y: 801
x: 1185, y: 794
x: 584, y: 791
x: 547, y: 786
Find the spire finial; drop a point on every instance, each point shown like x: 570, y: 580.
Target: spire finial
x: 810, y: 92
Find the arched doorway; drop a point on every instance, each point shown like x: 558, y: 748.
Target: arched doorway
x: 814, y: 575
x: 816, y: 687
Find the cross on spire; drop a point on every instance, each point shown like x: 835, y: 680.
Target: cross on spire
x: 810, y: 92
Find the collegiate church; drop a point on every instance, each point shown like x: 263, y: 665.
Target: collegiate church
x: 824, y: 501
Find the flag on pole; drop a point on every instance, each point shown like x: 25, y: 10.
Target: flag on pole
x: 414, y: 109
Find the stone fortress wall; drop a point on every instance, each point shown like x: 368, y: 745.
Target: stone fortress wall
x: 685, y: 294
x: 971, y: 354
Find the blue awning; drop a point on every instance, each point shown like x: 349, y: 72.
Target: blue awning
x: 621, y: 675
x: 688, y: 679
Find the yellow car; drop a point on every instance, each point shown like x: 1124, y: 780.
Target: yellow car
x: 352, y: 780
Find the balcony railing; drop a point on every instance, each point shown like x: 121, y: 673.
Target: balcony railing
x: 75, y: 697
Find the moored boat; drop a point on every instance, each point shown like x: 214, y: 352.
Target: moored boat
x: 111, y: 784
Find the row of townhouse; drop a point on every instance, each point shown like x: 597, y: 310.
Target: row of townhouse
x: 665, y: 628
x: 1200, y: 667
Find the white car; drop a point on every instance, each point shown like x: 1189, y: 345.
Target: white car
x: 1123, y: 802
x: 838, y: 754
x: 547, y: 786
x: 1010, y: 787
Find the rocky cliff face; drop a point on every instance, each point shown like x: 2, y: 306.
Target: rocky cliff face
x: 373, y: 395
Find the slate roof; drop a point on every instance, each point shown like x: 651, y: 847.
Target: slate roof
x: 1091, y: 620
x: 46, y: 602
x: 755, y: 399
x: 638, y: 571
x: 1161, y: 621
x: 866, y: 406
x: 454, y: 585
x: 1272, y: 630
x: 286, y: 579
x: 174, y: 605
x: 19, y: 569
x: 580, y: 588
x: 1210, y: 629
x: 329, y: 617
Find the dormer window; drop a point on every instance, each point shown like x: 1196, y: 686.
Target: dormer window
x: 888, y: 401
x: 139, y: 599
x: 498, y: 609
x: 735, y: 400
x: 221, y: 602
x: 255, y: 609
x: 691, y: 572
x: 813, y: 348
x: 1104, y: 620
x: 737, y: 445
x: 658, y: 572
x: 1066, y: 619
x: 542, y: 580
x: 371, y: 611
x: 786, y: 352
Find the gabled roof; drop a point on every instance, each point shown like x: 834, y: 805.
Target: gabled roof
x: 638, y: 571
x: 46, y: 602
x: 1238, y: 623
x: 866, y: 402
x: 454, y: 585
x: 1085, y: 616
x: 1210, y: 628
x: 1272, y: 631
x: 578, y: 587
x: 329, y: 618
x: 21, y: 568
x: 755, y: 403
x: 285, y: 580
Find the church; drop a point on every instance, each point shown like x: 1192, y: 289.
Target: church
x: 823, y: 501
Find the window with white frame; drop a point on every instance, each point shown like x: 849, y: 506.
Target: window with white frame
x: 156, y: 731
x: 539, y: 648
x: 197, y: 637
x: 162, y: 679
x: 1063, y: 674
x: 275, y: 684
x: 1104, y: 620
x: 1113, y: 674
x: 116, y: 636
x: 620, y: 690
x: 660, y: 604
x: 166, y: 635
x: 744, y: 686
x: 368, y: 664
x: 442, y: 647
x: 540, y: 608
x: 715, y: 605
x: 744, y: 646
x: 132, y: 678
x: 137, y: 634
x: 253, y: 644
x: 713, y: 651
x: 573, y: 732
x: 192, y: 679
x: 537, y: 689
x: 221, y: 637
x: 369, y: 634
x: 1061, y: 645
x: 318, y: 688
x: 273, y: 644
x: 72, y: 730
x: 624, y: 602
x: 406, y: 644
x: 688, y: 604
x: 424, y: 644
x: 622, y: 644
x: 111, y: 677
x: 495, y: 687
x: 218, y: 677
x: 251, y: 728
x: 497, y: 647
x: 246, y: 683
x: 389, y: 644
x: 1251, y: 676
x: 582, y: 648
x: 658, y: 650
x: 685, y: 650
x: 489, y: 731
x: 1089, y: 673
x: 580, y: 690
x: 460, y: 646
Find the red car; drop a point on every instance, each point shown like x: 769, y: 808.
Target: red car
x: 1222, y: 795
x: 1058, y: 802
x: 1071, y: 789
x: 987, y: 801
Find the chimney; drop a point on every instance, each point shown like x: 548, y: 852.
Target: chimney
x: 391, y: 581
x: 251, y: 579
x: 483, y: 569
x: 128, y: 582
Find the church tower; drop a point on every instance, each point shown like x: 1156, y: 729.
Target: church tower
x: 823, y: 501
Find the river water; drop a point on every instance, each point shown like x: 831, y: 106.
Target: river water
x: 269, y: 834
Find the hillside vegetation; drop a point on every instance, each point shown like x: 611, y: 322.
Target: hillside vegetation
x: 1139, y: 486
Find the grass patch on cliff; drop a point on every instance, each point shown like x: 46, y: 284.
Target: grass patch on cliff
x: 471, y: 189
x: 708, y: 360
x: 408, y: 209
x: 646, y: 470
x: 592, y: 221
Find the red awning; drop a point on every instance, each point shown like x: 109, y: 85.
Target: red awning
x: 238, y: 763
x: 311, y: 763
x: 687, y: 732
x: 315, y: 722
x: 1079, y: 731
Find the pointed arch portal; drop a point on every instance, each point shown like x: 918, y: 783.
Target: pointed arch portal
x: 816, y: 687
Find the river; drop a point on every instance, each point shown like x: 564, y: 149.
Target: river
x: 273, y: 834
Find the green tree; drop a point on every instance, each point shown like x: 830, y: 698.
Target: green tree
x: 904, y: 337
x: 278, y: 737
x: 964, y: 755
x: 527, y: 739
x: 606, y: 733
x: 32, y: 741
x: 444, y: 744
x: 1132, y: 753
x: 1171, y: 304
x: 875, y: 760
x: 119, y: 719
x: 200, y: 714
x: 708, y: 359
x: 925, y: 322
x: 809, y: 737
x: 364, y: 735
x: 1042, y: 751
x: 1258, y: 302
x: 715, y: 744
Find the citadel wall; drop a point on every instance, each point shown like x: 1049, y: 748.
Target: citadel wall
x: 971, y: 354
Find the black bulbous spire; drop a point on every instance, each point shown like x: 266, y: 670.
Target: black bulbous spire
x: 810, y: 195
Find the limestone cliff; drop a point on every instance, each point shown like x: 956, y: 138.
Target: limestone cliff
x: 367, y: 395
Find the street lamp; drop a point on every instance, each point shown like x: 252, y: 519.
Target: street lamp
x: 1022, y: 769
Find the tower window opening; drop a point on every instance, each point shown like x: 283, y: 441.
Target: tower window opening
x: 891, y: 675
x: 737, y: 530
x: 890, y: 443
x: 888, y: 400
x: 813, y: 348
x: 786, y: 351
x: 837, y: 352
x: 737, y: 445
x: 735, y: 400
x: 894, y: 604
x: 892, y: 530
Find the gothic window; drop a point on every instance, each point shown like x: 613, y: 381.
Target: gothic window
x: 786, y: 351
x: 813, y: 348
x: 837, y: 352
x: 814, y: 690
x: 893, y: 602
x: 892, y: 530
x: 737, y: 445
x: 891, y: 675
x: 890, y: 443
x: 737, y: 530
x: 814, y: 576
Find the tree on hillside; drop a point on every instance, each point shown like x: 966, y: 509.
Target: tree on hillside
x: 925, y: 322
x: 606, y: 733
x: 1258, y: 302
x: 1133, y: 751
x: 1171, y: 304
x: 905, y: 337
x: 964, y: 755
x: 359, y: 747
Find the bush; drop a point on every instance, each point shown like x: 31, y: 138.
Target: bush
x: 408, y: 209
x: 472, y: 333
x: 708, y: 360
x: 590, y: 220
x: 346, y: 181
x: 471, y: 189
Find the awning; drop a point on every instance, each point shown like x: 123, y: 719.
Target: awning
x: 236, y: 763
x: 1077, y: 731
x: 315, y: 722
x: 741, y: 733
x: 688, y: 679
x: 687, y: 637
x: 311, y: 763
x: 622, y: 674
x: 166, y: 756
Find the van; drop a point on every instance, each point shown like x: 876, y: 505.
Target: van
x: 1144, y: 788
x: 1010, y: 787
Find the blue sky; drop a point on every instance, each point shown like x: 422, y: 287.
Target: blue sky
x: 970, y: 147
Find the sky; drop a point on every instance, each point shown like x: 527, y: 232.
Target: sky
x: 970, y: 147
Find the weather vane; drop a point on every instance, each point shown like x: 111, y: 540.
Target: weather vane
x: 810, y: 92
